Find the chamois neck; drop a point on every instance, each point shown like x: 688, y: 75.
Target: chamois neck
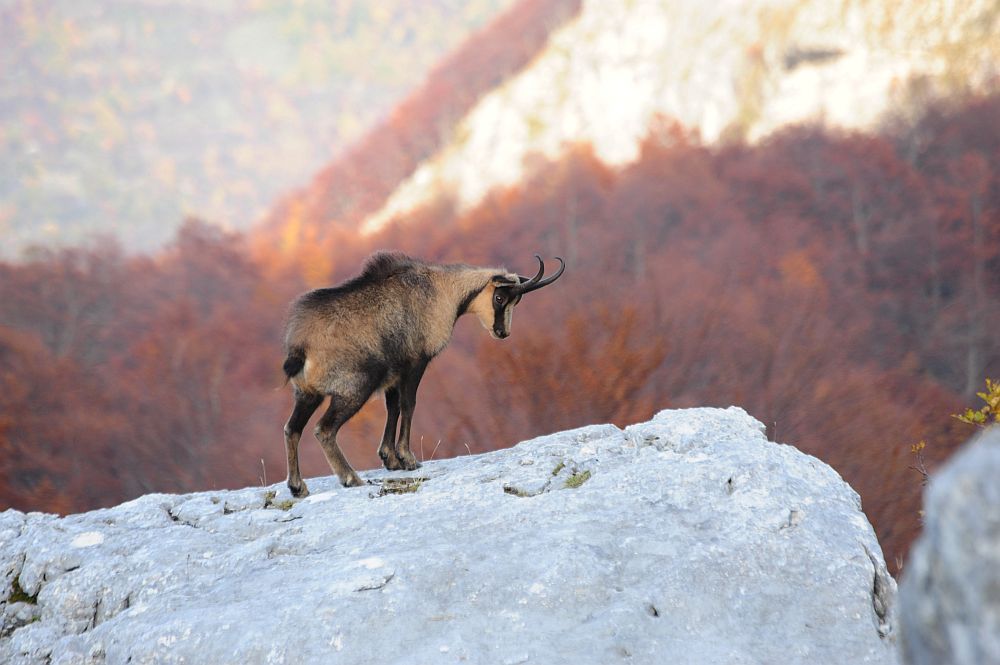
x: 455, y: 290
x: 464, y: 284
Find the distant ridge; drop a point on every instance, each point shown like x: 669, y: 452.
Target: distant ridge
x: 553, y: 74
x: 726, y: 71
x: 359, y: 181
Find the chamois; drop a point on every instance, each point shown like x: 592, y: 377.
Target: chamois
x: 379, y: 331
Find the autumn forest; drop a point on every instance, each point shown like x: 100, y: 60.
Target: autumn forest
x: 842, y: 287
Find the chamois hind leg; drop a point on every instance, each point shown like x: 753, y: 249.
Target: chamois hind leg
x: 387, y: 449
x: 341, y: 410
x: 408, y: 402
x: 305, y: 406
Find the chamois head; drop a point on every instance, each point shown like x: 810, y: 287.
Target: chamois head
x: 495, y: 305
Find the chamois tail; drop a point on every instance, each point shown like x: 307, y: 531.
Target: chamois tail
x: 295, y: 361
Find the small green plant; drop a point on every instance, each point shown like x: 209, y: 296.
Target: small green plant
x: 269, y: 501
x: 19, y: 595
x: 989, y: 412
x: 985, y: 415
x: 921, y: 465
x: 577, y: 479
x: 559, y: 467
x: 400, y: 485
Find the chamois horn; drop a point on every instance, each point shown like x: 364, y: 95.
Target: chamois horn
x: 537, y: 282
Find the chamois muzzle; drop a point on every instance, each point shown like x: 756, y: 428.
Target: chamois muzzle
x: 537, y: 282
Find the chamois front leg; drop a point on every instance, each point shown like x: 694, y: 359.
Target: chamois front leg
x: 341, y: 410
x: 305, y: 406
x: 408, y: 402
x: 387, y: 449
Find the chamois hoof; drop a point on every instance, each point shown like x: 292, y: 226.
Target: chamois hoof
x: 299, y: 492
x: 410, y: 463
x: 352, y: 481
x: 390, y: 461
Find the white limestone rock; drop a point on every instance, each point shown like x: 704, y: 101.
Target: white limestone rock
x: 687, y: 539
x: 951, y: 583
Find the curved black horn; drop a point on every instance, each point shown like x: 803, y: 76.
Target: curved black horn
x: 526, y: 281
x: 537, y: 282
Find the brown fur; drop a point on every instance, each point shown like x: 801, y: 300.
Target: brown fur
x: 377, y: 332
x: 352, y: 326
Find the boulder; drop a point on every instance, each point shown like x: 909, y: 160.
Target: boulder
x: 686, y: 539
x: 950, y: 594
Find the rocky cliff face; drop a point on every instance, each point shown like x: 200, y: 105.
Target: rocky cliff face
x: 726, y: 69
x: 689, y: 539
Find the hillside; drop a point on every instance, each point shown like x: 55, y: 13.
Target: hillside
x: 357, y: 182
x: 689, y: 538
x: 724, y: 70
x: 839, y: 284
x: 122, y: 117
x: 786, y: 204
x: 778, y: 276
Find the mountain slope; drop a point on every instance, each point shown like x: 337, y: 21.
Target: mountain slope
x: 358, y: 182
x: 727, y: 69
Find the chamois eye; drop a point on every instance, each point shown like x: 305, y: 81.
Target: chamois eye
x: 498, y: 299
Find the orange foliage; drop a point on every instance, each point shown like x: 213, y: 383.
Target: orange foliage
x: 839, y: 287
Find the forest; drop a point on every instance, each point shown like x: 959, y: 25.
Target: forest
x: 842, y: 287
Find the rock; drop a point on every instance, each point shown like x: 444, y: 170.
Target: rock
x: 686, y: 539
x: 950, y: 594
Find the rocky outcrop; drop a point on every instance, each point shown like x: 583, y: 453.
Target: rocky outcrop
x: 686, y: 539
x: 951, y: 584
x: 724, y: 69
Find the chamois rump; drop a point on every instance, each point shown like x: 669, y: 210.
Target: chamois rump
x: 378, y: 331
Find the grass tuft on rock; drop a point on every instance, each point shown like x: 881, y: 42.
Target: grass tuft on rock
x: 400, y: 485
x: 19, y: 595
x: 577, y: 479
x: 269, y: 502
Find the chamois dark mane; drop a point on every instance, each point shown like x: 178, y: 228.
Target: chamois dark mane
x: 379, y: 267
x: 382, y: 265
